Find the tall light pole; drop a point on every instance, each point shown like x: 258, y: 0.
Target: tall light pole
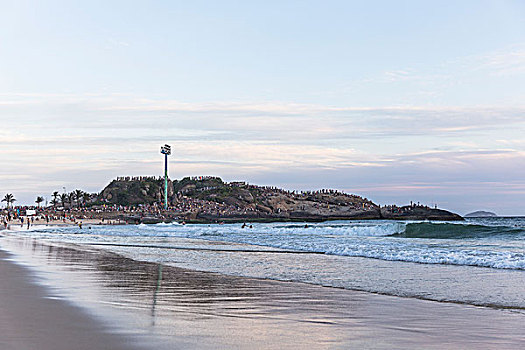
x: 166, y: 150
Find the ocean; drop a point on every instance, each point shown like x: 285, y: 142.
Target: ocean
x: 476, y: 262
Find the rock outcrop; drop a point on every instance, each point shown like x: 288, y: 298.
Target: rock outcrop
x: 209, y: 199
x: 413, y: 212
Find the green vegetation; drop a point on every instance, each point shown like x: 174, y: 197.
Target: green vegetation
x: 144, y: 191
x: 9, y: 199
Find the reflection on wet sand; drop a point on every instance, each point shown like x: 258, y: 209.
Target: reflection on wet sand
x: 169, y: 306
x: 159, y: 281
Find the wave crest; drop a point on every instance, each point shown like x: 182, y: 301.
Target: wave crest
x: 455, y: 231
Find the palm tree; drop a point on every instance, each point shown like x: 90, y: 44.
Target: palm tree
x: 70, y: 198
x: 63, y: 199
x: 78, y: 196
x: 55, y: 197
x: 86, y: 197
x: 39, y: 200
x: 8, y: 199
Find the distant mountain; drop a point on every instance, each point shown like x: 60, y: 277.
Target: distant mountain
x: 481, y: 214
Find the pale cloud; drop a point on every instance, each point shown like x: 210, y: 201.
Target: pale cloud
x: 397, y: 75
x: 83, y: 141
x: 495, y: 76
x: 253, y: 119
x: 504, y: 62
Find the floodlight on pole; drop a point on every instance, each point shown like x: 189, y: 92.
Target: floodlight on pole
x: 166, y: 150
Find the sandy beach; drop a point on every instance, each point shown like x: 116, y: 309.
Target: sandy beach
x: 99, y: 297
x: 17, y: 225
x: 31, y: 319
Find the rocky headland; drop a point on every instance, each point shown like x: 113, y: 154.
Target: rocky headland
x: 209, y: 199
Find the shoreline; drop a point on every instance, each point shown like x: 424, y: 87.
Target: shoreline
x: 225, y: 308
x: 395, y: 277
x: 16, y: 226
x: 32, y: 318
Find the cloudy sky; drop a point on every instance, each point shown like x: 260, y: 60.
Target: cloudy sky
x: 392, y: 100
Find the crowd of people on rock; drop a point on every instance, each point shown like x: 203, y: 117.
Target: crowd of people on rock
x: 139, y: 178
x: 184, y: 205
x: 266, y: 200
x: 405, y: 209
x: 323, y: 199
x: 324, y: 196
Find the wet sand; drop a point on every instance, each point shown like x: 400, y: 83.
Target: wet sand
x: 169, y: 307
x: 30, y: 319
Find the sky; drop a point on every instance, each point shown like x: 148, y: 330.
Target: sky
x: 392, y: 100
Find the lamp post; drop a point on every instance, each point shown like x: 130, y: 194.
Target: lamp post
x: 166, y: 150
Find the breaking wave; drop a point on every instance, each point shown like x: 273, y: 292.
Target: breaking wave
x: 496, y: 244
x: 456, y: 231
